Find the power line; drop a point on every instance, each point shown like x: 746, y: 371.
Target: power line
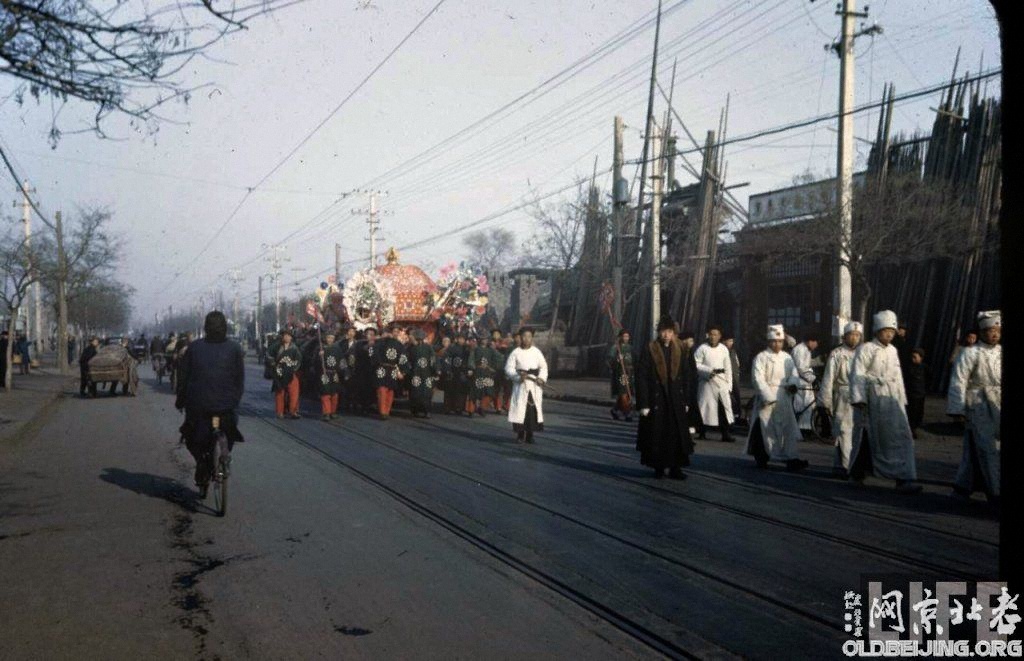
x: 314, y: 131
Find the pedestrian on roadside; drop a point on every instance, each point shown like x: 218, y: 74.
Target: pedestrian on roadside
x: 83, y: 366
x: 622, y: 359
x: 422, y: 370
x: 21, y: 346
x: 4, y: 341
x: 71, y: 349
x: 916, y: 376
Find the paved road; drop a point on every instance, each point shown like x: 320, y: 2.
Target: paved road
x: 443, y: 539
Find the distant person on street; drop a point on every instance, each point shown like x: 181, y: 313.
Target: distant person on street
x: 527, y: 369
x: 83, y: 365
x: 71, y: 349
x: 976, y: 399
x: 916, y: 376
x: 210, y: 383
x: 969, y: 340
x: 882, y: 440
x: 22, y: 347
x: 4, y: 341
x: 621, y: 360
x: 665, y: 394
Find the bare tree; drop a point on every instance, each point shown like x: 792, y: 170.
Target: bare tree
x: 493, y: 251
x: 101, y: 306
x: 90, y: 255
x: 17, y: 268
x: 557, y: 244
x: 116, y: 56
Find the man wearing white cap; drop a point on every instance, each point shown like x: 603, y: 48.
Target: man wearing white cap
x: 775, y: 433
x: 834, y: 395
x: 975, y: 397
x: 880, y: 416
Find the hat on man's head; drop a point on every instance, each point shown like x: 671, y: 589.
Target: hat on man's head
x: 884, y: 319
x: 776, y: 332
x: 990, y: 319
x: 418, y: 334
x: 853, y: 327
x: 666, y: 323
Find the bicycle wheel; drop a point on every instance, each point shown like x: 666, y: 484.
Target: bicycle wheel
x: 222, y: 461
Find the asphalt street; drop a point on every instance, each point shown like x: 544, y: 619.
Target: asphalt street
x: 443, y: 538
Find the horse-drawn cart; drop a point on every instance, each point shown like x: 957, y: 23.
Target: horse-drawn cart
x: 113, y: 364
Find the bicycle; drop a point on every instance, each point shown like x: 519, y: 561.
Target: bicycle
x: 221, y: 460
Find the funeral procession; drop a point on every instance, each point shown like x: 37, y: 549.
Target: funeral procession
x: 466, y: 329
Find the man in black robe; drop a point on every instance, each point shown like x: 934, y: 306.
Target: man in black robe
x: 666, y: 390
x: 422, y: 371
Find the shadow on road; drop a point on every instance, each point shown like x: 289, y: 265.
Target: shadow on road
x: 154, y: 486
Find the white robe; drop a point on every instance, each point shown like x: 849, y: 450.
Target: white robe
x: 876, y: 379
x: 834, y: 397
x: 975, y: 391
x: 804, y: 398
x: 773, y: 405
x: 525, y: 359
x: 713, y: 388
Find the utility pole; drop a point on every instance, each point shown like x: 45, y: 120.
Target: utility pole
x: 657, y: 187
x: 235, y: 275
x: 620, y: 198
x: 373, y: 223
x: 26, y: 218
x: 259, y: 311
x: 277, y: 260
x: 649, y: 122
x: 62, y: 295
x: 842, y: 296
x: 337, y: 264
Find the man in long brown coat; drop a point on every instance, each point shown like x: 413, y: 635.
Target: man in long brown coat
x: 665, y: 393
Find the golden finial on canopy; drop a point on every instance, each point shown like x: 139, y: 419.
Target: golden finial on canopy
x: 392, y: 255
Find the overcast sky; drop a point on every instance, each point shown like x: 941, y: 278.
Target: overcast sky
x: 273, y: 84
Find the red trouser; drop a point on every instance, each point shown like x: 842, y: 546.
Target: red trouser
x: 470, y: 406
x: 489, y: 402
x: 385, y: 400
x: 623, y: 404
x: 292, y: 391
x: 329, y: 404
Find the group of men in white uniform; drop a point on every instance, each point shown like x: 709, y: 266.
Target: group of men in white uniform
x: 863, y: 391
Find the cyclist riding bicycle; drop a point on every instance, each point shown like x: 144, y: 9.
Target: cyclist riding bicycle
x: 210, y: 383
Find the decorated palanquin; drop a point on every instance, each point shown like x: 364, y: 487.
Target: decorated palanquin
x: 412, y: 293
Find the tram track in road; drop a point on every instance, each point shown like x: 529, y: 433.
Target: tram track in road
x: 668, y: 493
x: 808, y: 615
x: 620, y: 621
x: 784, y: 494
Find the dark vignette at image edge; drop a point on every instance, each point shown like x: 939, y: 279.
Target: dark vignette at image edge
x: 1010, y: 251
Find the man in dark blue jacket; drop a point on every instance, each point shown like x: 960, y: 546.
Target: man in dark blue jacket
x: 211, y: 382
